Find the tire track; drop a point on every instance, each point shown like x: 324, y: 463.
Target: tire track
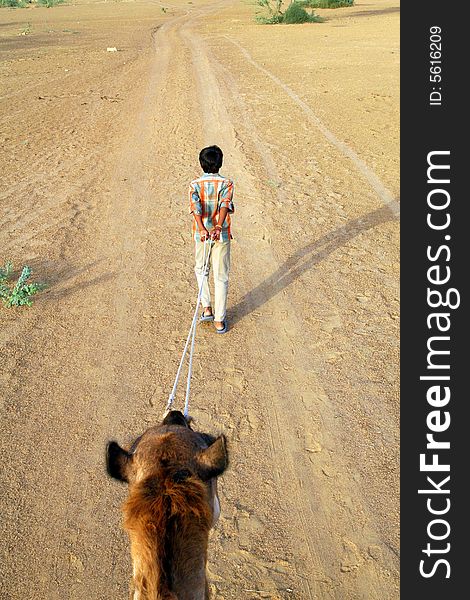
x: 384, y: 194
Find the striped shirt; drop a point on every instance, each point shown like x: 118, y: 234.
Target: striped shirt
x: 207, y: 195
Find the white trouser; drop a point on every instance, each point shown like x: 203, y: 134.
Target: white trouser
x: 220, y: 263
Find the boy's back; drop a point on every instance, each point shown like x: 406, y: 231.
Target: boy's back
x: 207, y: 195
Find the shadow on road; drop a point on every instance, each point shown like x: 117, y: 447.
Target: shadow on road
x: 304, y: 259
x: 63, y: 280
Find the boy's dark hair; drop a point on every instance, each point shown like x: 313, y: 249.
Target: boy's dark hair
x: 210, y: 159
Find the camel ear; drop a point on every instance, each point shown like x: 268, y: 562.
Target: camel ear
x: 117, y: 461
x: 212, y: 461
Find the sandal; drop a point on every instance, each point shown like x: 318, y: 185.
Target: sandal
x: 224, y: 328
x: 206, y: 318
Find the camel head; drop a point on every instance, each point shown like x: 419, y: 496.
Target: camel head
x: 171, y: 471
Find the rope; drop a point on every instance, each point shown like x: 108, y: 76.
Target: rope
x: 192, y: 337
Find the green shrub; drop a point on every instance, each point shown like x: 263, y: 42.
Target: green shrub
x: 49, y: 3
x: 6, y: 271
x: 297, y: 14
x: 19, y: 293
x: 325, y: 3
x: 274, y: 20
x: 23, y: 3
x: 13, y: 3
x: 272, y: 6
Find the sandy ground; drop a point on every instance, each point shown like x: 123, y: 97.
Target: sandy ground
x: 98, y: 149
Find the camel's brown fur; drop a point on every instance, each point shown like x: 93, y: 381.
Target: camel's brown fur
x: 171, y: 472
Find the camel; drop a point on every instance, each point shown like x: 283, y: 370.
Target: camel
x: 172, y: 503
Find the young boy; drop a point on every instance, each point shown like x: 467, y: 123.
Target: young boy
x: 210, y: 203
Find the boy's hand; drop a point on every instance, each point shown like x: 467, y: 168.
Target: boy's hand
x: 215, y: 233
x: 204, y: 234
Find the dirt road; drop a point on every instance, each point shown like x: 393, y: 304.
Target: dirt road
x: 100, y: 147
